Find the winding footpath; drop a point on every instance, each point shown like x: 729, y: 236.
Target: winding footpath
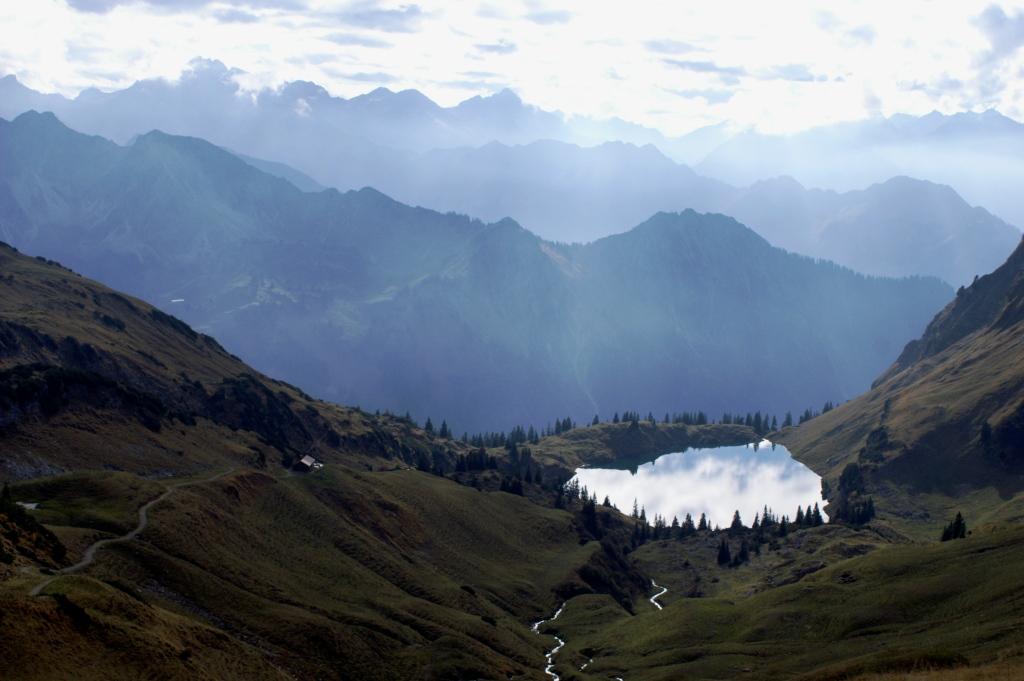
x: 549, y: 669
x: 90, y: 553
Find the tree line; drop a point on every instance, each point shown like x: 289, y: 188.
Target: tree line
x: 760, y: 423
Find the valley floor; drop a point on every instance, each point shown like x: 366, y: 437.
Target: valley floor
x: 237, y: 576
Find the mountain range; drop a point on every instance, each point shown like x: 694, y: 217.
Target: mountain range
x: 495, y: 157
x: 149, y: 528
x: 358, y: 298
x: 207, y: 96
x: 978, y: 154
x: 899, y: 227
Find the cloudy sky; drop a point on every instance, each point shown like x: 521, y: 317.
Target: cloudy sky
x: 672, y: 65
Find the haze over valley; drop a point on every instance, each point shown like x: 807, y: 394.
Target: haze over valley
x: 519, y: 340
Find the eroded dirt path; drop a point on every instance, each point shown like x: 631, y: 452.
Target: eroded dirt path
x: 90, y: 553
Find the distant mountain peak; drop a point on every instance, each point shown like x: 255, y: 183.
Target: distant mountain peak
x: 504, y: 100
x: 36, y: 118
x: 303, y: 89
x: 201, y: 66
x: 505, y: 95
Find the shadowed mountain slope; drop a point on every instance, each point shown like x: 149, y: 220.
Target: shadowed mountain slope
x: 361, y: 299
x: 943, y: 429
x: 367, y: 567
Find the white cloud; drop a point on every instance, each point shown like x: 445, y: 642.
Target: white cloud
x: 783, y: 67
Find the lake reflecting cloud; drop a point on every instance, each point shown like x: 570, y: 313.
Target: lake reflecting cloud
x: 715, y: 481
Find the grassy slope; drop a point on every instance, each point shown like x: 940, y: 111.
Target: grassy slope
x: 98, y: 632
x: 892, y: 609
x: 104, y: 501
x: 367, y: 568
x: 965, y: 371
x: 399, y: 574
x: 380, y: 575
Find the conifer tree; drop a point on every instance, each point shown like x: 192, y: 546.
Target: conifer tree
x: 429, y: 426
x: 742, y: 556
x: 957, y: 529
x: 724, y: 556
x: 737, y: 524
x: 589, y: 515
x: 703, y: 525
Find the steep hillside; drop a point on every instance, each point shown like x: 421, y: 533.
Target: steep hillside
x: 360, y: 299
x: 943, y: 428
x: 76, y: 358
x: 121, y: 425
x: 907, y: 613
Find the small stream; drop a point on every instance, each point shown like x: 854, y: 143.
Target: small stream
x: 550, y: 657
x: 654, y: 599
x: 549, y: 667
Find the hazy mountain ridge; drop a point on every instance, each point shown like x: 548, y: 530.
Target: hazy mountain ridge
x: 494, y: 157
x: 978, y: 154
x: 206, y: 97
x: 361, y: 299
x: 900, y: 227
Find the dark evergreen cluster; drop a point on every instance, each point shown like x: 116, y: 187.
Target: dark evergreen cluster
x: 957, y: 529
x: 853, y: 505
x: 811, y: 414
x: 511, y: 485
x: 476, y: 460
x: 761, y: 425
x: 570, y: 494
x: 766, y: 528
